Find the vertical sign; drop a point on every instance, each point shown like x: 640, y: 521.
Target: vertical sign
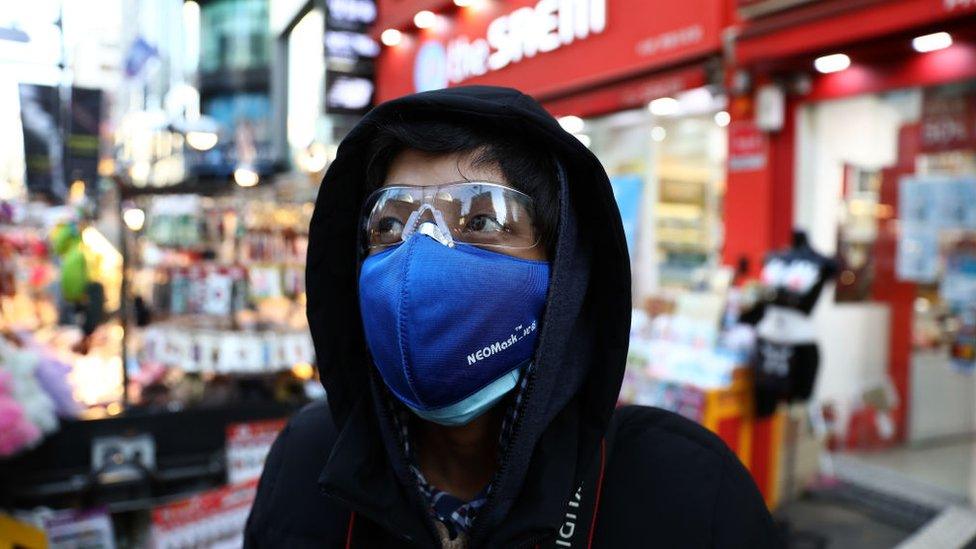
x: 82, y: 147
x: 747, y: 147
x: 350, y: 53
x: 43, y: 147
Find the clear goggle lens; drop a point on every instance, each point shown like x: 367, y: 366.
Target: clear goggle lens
x: 481, y: 214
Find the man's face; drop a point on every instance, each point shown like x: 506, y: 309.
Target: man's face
x: 419, y: 169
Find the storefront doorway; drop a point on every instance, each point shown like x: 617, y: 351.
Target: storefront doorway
x: 887, y: 181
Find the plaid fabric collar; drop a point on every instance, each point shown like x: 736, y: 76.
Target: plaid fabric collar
x: 455, y: 514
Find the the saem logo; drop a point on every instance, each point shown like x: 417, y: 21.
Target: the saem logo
x: 499, y: 346
x: 525, y: 32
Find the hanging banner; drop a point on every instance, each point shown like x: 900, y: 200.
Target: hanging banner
x: 43, y: 146
x: 82, y: 147
x: 53, y: 162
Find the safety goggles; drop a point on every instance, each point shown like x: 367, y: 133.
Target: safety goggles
x: 477, y: 213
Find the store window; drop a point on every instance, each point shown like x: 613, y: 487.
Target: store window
x: 888, y: 182
x: 235, y: 35
x: 668, y: 173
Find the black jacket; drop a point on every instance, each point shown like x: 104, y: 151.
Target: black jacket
x: 576, y: 472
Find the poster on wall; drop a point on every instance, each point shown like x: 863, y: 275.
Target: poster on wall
x: 958, y: 288
x: 917, y: 258
x: 955, y: 200
x: 628, y: 190
x: 916, y: 202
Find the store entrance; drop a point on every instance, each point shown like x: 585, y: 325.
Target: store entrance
x: 888, y: 183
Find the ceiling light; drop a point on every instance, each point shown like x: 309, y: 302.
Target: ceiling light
x: 424, y: 19
x: 572, y: 124
x: 664, y: 106
x: 658, y: 133
x: 832, y: 63
x: 201, y: 141
x: 932, y: 42
x: 246, y: 177
x: 134, y: 218
x: 722, y: 118
x: 391, y: 37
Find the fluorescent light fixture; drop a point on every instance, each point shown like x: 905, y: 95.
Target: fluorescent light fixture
x: 832, y: 63
x: 134, y: 218
x: 391, y: 37
x: 201, y: 141
x: 584, y: 139
x: 246, y: 177
x: 658, y: 133
x: 664, y: 106
x: 425, y: 19
x: 932, y: 42
x: 572, y: 124
x: 722, y: 118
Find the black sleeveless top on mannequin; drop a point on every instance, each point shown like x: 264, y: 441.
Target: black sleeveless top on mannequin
x: 787, y: 359
x: 797, y: 275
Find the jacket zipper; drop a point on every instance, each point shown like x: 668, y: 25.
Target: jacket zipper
x: 503, y: 465
x: 405, y: 463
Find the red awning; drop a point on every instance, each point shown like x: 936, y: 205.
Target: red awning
x: 629, y: 94
x: 827, y: 24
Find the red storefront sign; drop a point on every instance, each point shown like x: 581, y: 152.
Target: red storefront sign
x: 747, y: 147
x: 550, y: 47
x: 948, y: 120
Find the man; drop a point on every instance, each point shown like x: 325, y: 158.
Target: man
x: 469, y: 298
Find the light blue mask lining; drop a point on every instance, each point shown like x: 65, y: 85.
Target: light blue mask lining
x: 480, y: 402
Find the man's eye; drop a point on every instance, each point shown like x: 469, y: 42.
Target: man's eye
x: 390, y: 226
x: 483, y: 223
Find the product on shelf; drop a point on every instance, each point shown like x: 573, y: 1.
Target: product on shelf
x: 218, y: 288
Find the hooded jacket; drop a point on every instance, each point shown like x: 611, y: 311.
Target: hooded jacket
x: 576, y: 471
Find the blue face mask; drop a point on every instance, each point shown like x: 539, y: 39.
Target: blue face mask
x: 450, y: 328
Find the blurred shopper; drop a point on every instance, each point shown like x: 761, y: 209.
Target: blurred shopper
x: 469, y: 297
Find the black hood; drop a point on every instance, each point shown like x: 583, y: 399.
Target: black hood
x: 582, y: 345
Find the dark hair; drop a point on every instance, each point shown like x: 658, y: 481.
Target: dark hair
x: 528, y: 167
